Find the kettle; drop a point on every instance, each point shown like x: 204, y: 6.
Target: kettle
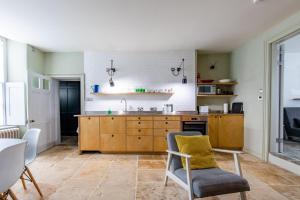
x: 168, y: 108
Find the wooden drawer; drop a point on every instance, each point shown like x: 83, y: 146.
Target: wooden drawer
x: 139, y: 124
x: 113, y: 142
x: 139, y: 143
x: 164, y: 132
x: 167, y: 124
x: 139, y: 118
x: 166, y: 117
x: 112, y: 125
x: 160, y: 144
x: 89, y: 137
x: 143, y: 131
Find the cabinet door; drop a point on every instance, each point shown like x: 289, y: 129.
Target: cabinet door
x: 112, y: 125
x: 139, y: 143
x: 113, y: 142
x: 160, y: 144
x: 89, y: 133
x: 231, y: 131
x: 213, y: 126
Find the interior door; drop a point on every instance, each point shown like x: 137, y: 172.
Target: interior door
x: 39, y: 108
x: 69, y: 95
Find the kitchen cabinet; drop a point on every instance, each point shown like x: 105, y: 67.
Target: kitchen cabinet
x: 113, y: 142
x: 139, y: 143
x: 226, y: 131
x: 112, y: 125
x: 89, y: 137
x: 160, y: 143
x: 162, y: 126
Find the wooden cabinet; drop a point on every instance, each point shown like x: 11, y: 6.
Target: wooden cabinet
x: 167, y: 124
x: 160, y: 144
x: 113, y: 142
x: 139, y: 143
x: 231, y: 131
x: 89, y: 137
x: 139, y: 124
x: 226, y: 131
x: 112, y: 125
x: 213, y: 129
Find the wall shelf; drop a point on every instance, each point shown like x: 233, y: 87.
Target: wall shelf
x: 133, y: 93
x: 218, y: 83
x: 216, y: 95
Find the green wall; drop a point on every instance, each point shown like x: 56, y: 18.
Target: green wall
x: 35, y: 59
x: 63, y: 63
x: 248, y: 64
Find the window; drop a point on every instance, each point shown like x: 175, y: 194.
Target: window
x: 2, y: 80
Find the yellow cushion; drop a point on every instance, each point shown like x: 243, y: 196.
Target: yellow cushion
x: 200, y: 150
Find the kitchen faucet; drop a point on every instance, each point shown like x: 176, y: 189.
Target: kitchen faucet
x: 125, y: 101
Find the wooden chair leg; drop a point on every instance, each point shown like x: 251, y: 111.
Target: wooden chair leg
x: 23, y: 182
x: 167, y: 168
x: 12, y: 195
x: 243, y: 196
x: 33, y: 180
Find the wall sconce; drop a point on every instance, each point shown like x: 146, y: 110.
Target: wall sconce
x: 111, y: 72
x: 176, y: 71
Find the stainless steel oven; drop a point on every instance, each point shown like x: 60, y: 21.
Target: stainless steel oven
x: 195, y: 123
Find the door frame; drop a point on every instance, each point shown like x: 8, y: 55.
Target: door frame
x: 268, y: 51
x: 75, y: 77
x: 70, y: 77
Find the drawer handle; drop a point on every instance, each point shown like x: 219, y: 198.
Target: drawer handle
x: 139, y: 118
x: 139, y: 122
x: 166, y: 130
x: 139, y: 138
x: 166, y: 122
x: 112, y: 135
x: 139, y: 130
x: 165, y: 138
x: 89, y: 118
x: 112, y: 118
x: 166, y: 118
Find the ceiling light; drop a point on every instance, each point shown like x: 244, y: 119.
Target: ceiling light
x: 256, y: 1
x: 111, y: 71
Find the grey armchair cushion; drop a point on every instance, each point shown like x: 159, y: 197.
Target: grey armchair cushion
x: 172, y: 146
x: 214, y: 181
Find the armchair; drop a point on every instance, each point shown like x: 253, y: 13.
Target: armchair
x: 203, y: 182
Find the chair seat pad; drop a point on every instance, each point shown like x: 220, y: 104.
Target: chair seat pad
x: 214, y: 181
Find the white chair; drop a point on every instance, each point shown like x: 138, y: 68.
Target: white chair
x: 11, y: 166
x: 32, y: 138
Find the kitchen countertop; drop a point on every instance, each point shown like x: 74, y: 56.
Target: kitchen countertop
x: 152, y: 113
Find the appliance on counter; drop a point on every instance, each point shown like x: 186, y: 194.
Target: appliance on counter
x: 168, y: 108
x: 207, y: 89
x: 237, y: 107
x: 195, y: 123
x: 202, y: 109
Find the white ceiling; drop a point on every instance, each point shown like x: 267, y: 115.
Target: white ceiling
x: 78, y: 25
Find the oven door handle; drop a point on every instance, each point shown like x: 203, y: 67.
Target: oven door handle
x: 195, y: 123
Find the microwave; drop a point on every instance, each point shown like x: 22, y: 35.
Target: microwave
x: 207, y: 89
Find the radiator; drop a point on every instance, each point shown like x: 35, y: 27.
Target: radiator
x: 10, y: 132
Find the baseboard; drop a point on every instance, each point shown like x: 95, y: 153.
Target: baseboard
x: 292, y: 167
x: 249, y: 151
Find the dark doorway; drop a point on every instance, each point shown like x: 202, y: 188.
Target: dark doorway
x: 69, y: 98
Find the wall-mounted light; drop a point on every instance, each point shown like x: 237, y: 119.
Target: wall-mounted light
x: 111, y: 72
x: 176, y: 71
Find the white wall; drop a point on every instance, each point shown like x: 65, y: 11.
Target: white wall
x: 140, y: 69
x: 248, y: 64
x: 291, y: 80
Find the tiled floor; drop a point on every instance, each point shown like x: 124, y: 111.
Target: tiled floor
x: 63, y: 174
